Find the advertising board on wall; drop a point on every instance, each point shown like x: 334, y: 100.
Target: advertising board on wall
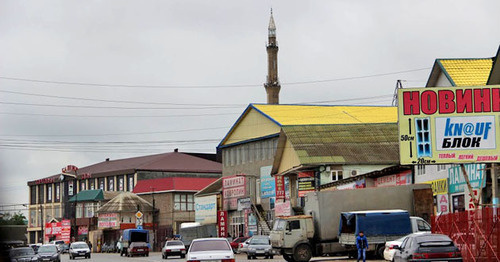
x: 244, y: 204
x: 222, y: 223
x: 267, y: 182
x: 306, y: 182
x: 449, y: 125
x: 456, y: 178
x: 233, y: 187
x: 401, y: 179
x: 107, y: 220
x: 282, y: 208
x: 439, y: 186
x: 205, y: 209
x: 280, y: 187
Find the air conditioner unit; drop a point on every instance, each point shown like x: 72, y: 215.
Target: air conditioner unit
x: 354, y: 172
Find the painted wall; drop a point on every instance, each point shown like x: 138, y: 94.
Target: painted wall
x: 253, y: 125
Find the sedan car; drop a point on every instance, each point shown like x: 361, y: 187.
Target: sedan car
x: 235, y: 244
x: 260, y: 246
x: 79, y: 249
x: 138, y: 249
x: 427, y: 247
x: 22, y: 254
x: 49, y: 252
x: 173, y: 248
x: 210, y: 249
x: 389, y: 246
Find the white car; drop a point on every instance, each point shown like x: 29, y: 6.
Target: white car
x: 173, y: 248
x: 79, y: 249
x: 243, y: 248
x: 389, y: 246
x: 210, y: 249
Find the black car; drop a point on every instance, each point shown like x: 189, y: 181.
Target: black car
x: 427, y: 247
x: 49, y: 253
x: 22, y: 254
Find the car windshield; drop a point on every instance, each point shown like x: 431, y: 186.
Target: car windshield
x: 279, y: 225
x: 47, y: 249
x: 259, y: 241
x: 78, y: 246
x: 175, y: 243
x: 18, y: 252
x: 434, y: 240
x: 209, y: 245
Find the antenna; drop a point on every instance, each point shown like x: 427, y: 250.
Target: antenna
x: 399, y: 85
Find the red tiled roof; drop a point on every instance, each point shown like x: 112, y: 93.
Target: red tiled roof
x: 193, y: 184
x: 169, y: 162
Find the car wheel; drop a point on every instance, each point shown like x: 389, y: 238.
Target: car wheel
x: 249, y: 257
x: 254, y: 257
x: 70, y: 257
x: 266, y: 257
x: 147, y: 254
x: 271, y: 257
x: 89, y: 256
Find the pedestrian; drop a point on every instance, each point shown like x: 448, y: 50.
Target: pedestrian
x: 362, y: 245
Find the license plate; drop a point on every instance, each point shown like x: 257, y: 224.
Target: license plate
x: 175, y: 250
x: 140, y: 249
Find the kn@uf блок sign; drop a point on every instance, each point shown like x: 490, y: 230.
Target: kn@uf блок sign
x: 449, y: 125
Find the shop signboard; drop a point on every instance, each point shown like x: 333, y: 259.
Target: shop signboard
x: 449, y: 125
x: 233, y: 187
x: 306, y: 182
x: 394, y: 180
x: 205, y: 209
x: 267, y: 183
x: 456, y: 178
x: 83, y: 230
x: 244, y: 204
x: 353, y: 185
x: 280, y: 187
x: 469, y: 203
x: 65, y: 230
x: 107, y: 220
x: 222, y: 223
x: 439, y: 186
x: 247, y: 213
x: 282, y: 208
x: 443, y: 204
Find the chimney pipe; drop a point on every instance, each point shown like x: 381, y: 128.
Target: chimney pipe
x: 176, y: 150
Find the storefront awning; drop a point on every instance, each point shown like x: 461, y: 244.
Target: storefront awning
x: 88, y: 195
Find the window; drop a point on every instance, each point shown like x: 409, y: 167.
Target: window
x: 41, y: 194
x: 49, y: 193
x: 420, y: 170
x: 70, y: 188
x: 337, y: 175
x: 423, y: 137
x: 130, y: 183
x: 79, y: 210
x: 244, y: 154
x: 233, y: 156
x: 184, y: 202
x: 295, y: 224
x: 422, y: 226
x: 83, y: 184
x: 57, y: 212
x: 91, y: 184
x: 101, y: 183
x: 33, y: 195
x: 441, y: 167
x: 121, y: 183
x: 58, y: 192
x: 32, y: 217
x: 111, y: 184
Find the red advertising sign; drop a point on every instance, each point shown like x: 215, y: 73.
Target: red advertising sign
x: 280, y: 187
x: 233, y: 187
x: 107, y: 220
x: 83, y: 230
x: 222, y: 223
x: 65, y: 230
x: 394, y: 180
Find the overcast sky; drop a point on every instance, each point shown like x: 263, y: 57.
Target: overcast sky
x: 195, y: 65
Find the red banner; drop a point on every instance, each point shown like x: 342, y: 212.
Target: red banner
x: 222, y: 223
x: 83, y: 230
x: 280, y: 187
x: 65, y: 230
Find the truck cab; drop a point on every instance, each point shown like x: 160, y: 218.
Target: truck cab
x: 292, y: 237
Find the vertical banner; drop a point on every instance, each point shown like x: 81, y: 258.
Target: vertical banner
x: 280, y: 187
x: 443, y: 204
x: 65, y: 230
x: 222, y: 223
x: 246, y: 221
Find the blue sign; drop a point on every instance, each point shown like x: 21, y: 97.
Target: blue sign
x: 267, y: 183
x: 456, y: 178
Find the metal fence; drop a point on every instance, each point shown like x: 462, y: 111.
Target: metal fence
x: 476, y: 233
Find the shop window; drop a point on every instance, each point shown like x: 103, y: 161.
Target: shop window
x: 184, y: 202
x: 79, y: 210
x: 423, y: 137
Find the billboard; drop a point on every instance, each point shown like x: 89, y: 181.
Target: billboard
x: 456, y: 178
x: 449, y: 125
x: 107, y: 220
x: 306, y: 183
x: 233, y: 187
x: 205, y: 209
x: 267, y: 182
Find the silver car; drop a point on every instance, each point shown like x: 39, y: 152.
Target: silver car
x: 260, y: 246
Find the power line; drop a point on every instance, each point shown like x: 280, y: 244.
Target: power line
x: 113, y: 116
x: 115, y: 107
x: 204, y: 86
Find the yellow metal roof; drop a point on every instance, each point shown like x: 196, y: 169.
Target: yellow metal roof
x: 467, y: 72
x: 320, y: 115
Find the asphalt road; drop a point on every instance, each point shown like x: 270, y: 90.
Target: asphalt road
x: 157, y: 257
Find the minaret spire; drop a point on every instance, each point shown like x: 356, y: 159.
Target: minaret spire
x: 272, y: 85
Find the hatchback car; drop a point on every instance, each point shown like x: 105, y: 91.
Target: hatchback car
x: 235, y: 244
x: 49, y: 252
x: 427, y: 247
x: 210, y: 249
x: 260, y: 246
x: 138, y: 249
x: 79, y: 249
x: 22, y: 254
x: 173, y: 248
x: 243, y: 248
x: 389, y: 246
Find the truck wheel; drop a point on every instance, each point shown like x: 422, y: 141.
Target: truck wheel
x: 302, y: 253
x: 380, y: 251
